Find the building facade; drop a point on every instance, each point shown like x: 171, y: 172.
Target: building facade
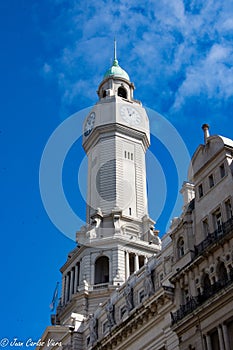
x: 122, y: 286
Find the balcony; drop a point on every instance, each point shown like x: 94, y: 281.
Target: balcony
x: 214, y: 237
x: 194, y: 302
x: 101, y: 286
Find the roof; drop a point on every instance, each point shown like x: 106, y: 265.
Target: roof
x: 116, y: 71
x: 226, y: 141
x: 205, y: 153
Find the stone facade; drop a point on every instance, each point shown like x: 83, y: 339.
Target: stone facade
x: 125, y: 288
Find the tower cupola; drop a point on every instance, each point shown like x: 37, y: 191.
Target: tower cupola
x: 116, y: 81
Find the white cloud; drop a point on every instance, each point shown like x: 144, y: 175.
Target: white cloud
x: 46, y: 68
x: 212, y: 76
x: 177, y: 48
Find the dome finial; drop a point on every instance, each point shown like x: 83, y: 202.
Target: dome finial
x: 115, y: 62
x: 115, y: 70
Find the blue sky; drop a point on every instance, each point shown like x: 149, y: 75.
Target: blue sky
x: 54, y: 53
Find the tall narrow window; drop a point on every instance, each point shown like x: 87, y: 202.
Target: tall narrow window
x: 222, y: 170
x: 180, y: 247
x: 214, y: 340
x: 102, y: 270
x: 211, y: 181
x: 222, y: 273
x: 131, y: 263
x: 228, y: 209
x: 200, y: 190
x: 205, y: 227
x: 230, y: 331
x: 206, y: 284
x: 141, y: 259
x: 218, y: 221
x: 130, y: 211
x: 122, y: 92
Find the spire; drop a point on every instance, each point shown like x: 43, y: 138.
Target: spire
x: 115, y: 70
x: 115, y: 62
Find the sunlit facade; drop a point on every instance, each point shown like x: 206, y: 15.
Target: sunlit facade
x: 122, y: 286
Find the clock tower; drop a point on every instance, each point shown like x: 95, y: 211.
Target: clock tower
x: 115, y: 137
x: 119, y: 236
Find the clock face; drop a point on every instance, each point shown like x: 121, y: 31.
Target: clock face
x: 130, y: 115
x: 89, y: 124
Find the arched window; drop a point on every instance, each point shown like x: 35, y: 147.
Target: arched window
x: 222, y: 273
x: 180, y: 247
x: 122, y: 92
x: 102, y: 270
x: 206, y: 284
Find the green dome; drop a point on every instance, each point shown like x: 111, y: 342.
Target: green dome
x: 116, y: 71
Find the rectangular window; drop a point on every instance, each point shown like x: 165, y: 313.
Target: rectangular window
x: 205, y: 227
x: 228, y: 209
x: 230, y: 332
x: 105, y: 327
x: 131, y: 263
x: 186, y: 295
x: 218, y: 221
x: 222, y: 170
x: 200, y: 190
x: 123, y: 310
x: 141, y: 295
x: 130, y: 211
x: 141, y: 259
x: 128, y: 155
x: 214, y: 340
x: 211, y: 181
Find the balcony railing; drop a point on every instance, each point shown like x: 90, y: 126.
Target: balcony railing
x: 194, y: 302
x: 101, y: 286
x: 215, y: 236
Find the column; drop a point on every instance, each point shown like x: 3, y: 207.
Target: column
x: 127, y: 265
x: 67, y: 288
x: 221, y: 344
x: 110, y: 272
x: 136, y: 262
x: 225, y: 337
x: 71, y: 282
x: 75, y: 278
x: 63, y: 289
x: 208, y: 342
x: 179, y: 285
x: 92, y: 273
x: 80, y: 272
